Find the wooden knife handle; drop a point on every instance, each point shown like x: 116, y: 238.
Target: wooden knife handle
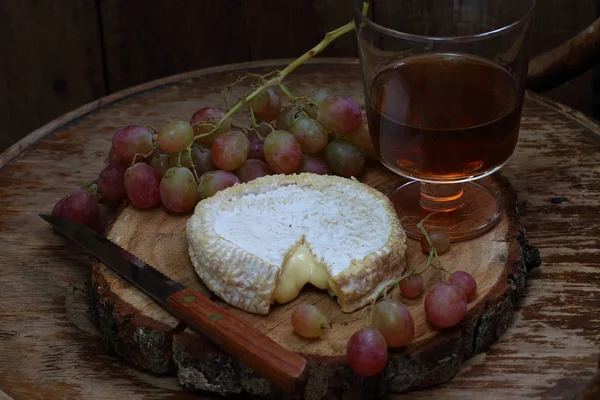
x: 284, y: 368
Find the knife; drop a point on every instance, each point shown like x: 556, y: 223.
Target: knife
x: 284, y: 368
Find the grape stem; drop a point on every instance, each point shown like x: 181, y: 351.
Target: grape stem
x: 287, y: 92
x: 430, y: 258
x: 281, y: 75
x: 252, y: 117
x: 136, y: 155
x: 325, y: 326
x: 433, y: 250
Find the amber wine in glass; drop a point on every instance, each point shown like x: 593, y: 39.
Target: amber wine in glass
x: 444, y: 87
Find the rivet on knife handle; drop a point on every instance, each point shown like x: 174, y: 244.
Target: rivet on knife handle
x: 285, y: 368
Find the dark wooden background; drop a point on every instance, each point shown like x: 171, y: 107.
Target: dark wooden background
x: 58, y: 55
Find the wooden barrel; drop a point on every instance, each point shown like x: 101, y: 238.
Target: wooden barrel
x: 51, y: 347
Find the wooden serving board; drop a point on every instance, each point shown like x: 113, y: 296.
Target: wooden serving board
x: 147, y: 336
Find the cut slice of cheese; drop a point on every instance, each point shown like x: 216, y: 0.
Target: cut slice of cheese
x: 259, y: 243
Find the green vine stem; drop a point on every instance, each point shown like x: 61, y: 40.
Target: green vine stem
x: 277, y: 80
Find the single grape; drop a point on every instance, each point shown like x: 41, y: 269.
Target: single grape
x: 185, y: 160
x: 445, y: 305
x: 257, y: 147
x: 310, y: 134
x: 314, y: 163
x: 465, y: 281
x: 361, y: 138
x: 344, y: 158
x: 178, y: 190
x: 339, y: 114
x: 367, y: 352
x: 131, y: 140
x: 252, y: 169
x: 142, y: 185
x: 286, y: 117
x: 317, y: 98
x: 412, y: 287
x: 308, y: 321
x: 111, y: 185
x: 213, y: 181
x: 267, y: 105
x: 106, y: 215
x: 204, y: 120
x: 160, y: 163
x: 202, y: 159
x: 230, y: 150
x: 282, y: 152
x: 439, y: 239
x: 175, y: 136
x: 79, y: 206
x: 263, y: 129
x: 394, y: 321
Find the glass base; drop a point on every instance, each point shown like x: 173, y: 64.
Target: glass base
x: 462, y: 210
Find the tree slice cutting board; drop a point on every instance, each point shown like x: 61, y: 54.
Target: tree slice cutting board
x: 150, y: 338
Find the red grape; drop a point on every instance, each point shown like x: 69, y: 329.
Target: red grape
x: 263, y: 129
x: 412, y: 287
x: 252, y: 169
x: 178, y: 190
x: 175, y: 136
x: 317, y: 98
x: 79, y: 206
x: 210, y: 116
x: 286, y: 117
x: 202, y: 159
x: 308, y: 321
x: 361, y: 138
x: 445, y: 305
x: 367, y: 352
x: 310, y: 135
x: 282, y: 152
x: 257, y: 147
x: 131, y: 140
x: 230, y: 150
x: 344, y: 158
x: 339, y: 114
x: 160, y: 163
x: 394, y: 321
x: 439, y: 239
x: 142, y: 185
x: 106, y: 215
x: 267, y: 105
x: 213, y: 181
x: 314, y: 163
x: 111, y: 186
x: 465, y: 281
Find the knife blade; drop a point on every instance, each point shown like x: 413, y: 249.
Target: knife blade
x: 284, y: 368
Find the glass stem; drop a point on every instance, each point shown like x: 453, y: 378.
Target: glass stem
x: 441, y: 197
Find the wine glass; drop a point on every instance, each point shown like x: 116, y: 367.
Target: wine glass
x: 444, y: 84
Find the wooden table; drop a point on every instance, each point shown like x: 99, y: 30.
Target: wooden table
x: 50, y: 348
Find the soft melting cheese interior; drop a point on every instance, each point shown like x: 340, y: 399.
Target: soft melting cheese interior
x: 300, y: 268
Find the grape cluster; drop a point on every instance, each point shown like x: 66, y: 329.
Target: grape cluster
x: 184, y: 162
x: 391, y: 324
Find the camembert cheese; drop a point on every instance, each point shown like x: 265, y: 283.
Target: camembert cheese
x: 261, y: 242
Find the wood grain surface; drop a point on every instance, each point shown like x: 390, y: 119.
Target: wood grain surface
x: 500, y: 261
x: 50, y: 62
x: 51, y: 349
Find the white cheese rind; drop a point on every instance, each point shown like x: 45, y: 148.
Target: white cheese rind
x: 239, y: 237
